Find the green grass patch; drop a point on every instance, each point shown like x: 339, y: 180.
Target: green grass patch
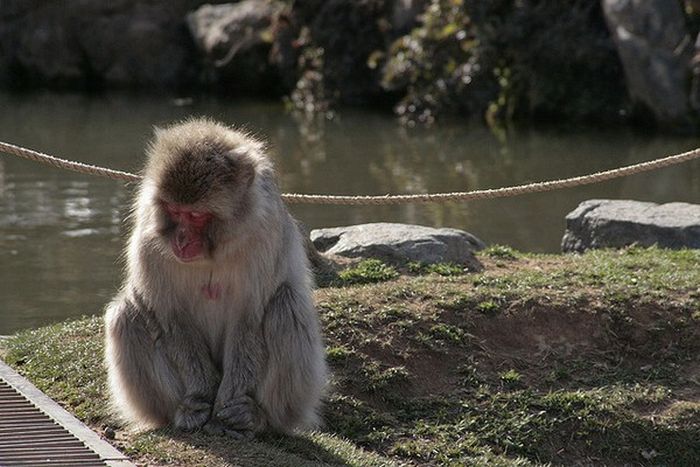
x: 368, y: 271
x: 442, y: 269
x: 550, y: 359
x: 338, y: 354
x: 500, y: 252
x: 511, y: 379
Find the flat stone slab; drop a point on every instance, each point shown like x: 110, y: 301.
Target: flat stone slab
x: 603, y: 223
x: 399, y: 243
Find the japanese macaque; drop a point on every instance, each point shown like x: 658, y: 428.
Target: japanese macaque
x: 215, y: 325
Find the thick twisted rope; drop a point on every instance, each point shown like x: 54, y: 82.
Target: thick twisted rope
x: 537, y: 187
x: 68, y: 165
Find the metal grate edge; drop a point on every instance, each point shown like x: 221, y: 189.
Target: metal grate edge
x: 33, y: 428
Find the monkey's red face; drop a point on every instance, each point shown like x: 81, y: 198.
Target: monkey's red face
x: 188, y: 235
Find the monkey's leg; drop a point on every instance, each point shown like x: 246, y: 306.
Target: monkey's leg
x: 186, y: 349
x: 157, y: 375
x: 235, y: 411
x: 141, y: 387
x: 295, y: 373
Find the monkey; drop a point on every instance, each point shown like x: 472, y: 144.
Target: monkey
x: 214, y: 327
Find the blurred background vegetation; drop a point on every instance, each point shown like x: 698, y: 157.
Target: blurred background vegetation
x: 502, y: 61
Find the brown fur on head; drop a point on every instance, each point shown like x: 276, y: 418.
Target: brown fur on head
x: 202, y: 172
x: 199, y: 158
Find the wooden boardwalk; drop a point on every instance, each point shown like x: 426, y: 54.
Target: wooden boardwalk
x: 35, y: 431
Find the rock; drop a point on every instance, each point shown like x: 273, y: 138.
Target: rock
x: 619, y: 223
x: 235, y: 40
x: 655, y: 48
x: 399, y: 243
x: 84, y: 43
x: 109, y: 432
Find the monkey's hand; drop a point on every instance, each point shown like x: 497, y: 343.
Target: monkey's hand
x: 238, y: 417
x: 192, y: 413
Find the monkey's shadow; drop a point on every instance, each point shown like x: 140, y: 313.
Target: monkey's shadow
x: 266, y: 449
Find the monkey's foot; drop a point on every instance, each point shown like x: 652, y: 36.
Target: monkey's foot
x: 192, y: 414
x: 239, y: 414
x: 215, y: 427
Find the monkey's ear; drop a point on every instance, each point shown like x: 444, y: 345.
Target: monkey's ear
x: 244, y: 167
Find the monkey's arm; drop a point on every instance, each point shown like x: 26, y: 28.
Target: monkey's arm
x: 275, y: 371
x: 235, y: 409
x: 158, y: 373
x: 295, y: 372
x: 191, y: 359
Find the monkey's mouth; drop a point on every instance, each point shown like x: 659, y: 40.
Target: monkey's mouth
x: 187, y: 245
x: 188, y: 254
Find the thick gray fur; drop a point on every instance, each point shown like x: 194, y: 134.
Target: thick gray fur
x: 252, y: 358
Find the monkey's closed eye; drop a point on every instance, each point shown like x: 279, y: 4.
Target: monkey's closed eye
x: 171, y: 209
x: 181, y: 213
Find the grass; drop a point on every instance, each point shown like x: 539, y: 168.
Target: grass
x: 540, y: 359
x: 443, y: 269
x: 368, y: 271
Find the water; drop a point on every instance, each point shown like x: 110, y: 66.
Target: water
x: 61, y: 233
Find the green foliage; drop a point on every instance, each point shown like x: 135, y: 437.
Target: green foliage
x: 526, y: 41
x: 488, y: 307
x: 415, y: 267
x: 443, y: 269
x: 510, y: 378
x: 436, y: 65
x: 446, y: 332
x: 338, y: 354
x: 495, y: 59
x: 368, y: 271
x: 380, y: 379
x: 446, y: 269
x: 470, y: 376
x: 500, y: 252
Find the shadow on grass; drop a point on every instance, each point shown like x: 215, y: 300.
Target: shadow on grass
x: 311, y: 449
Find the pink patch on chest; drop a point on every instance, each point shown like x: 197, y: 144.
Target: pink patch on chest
x: 212, y: 291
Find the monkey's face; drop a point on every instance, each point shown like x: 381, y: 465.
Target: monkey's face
x: 198, y: 212
x: 198, y: 183
x: 188, y: 231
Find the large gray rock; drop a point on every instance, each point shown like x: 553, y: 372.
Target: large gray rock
x: 600, y: 223
x: 398, y: 243
x: 88, y: 43
x: 235, y: 40
x: 655, y: 48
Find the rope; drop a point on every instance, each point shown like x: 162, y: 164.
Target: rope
x: 68, y: 165
x: 537, y: 187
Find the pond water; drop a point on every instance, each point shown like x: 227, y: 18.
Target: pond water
x: 61, y: 233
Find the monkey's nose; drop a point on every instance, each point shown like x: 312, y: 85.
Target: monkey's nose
x: 181, y: 238
x: 187, y: 243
